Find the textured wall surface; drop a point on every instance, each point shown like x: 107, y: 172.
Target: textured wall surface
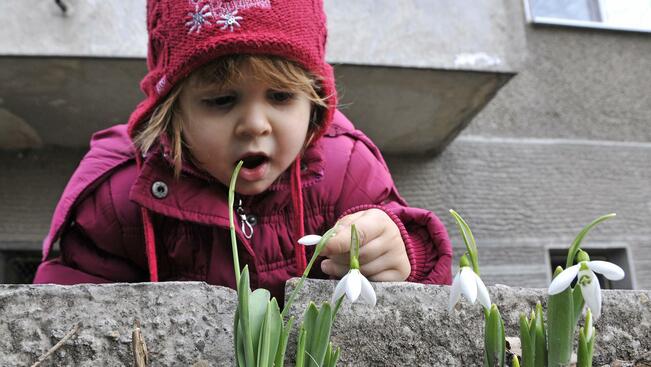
x: 30, y: 186
x: 189, y: 324
x: 182, y: 323
x: 566, y: 140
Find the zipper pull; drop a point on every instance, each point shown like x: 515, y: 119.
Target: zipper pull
x: 247, y: 227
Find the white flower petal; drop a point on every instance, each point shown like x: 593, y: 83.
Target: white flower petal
x: 340, y: 289
x: 482, y: 293
x: 591, y: 292
x: 563, y: 280
x: 368, y: 293
x: 353, y: 284
x: 468, y: 284
x: 455, y: 291
x: 309, y: 240
x: 608, y: 269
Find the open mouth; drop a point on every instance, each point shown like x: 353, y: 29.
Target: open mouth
x: 254, y: 160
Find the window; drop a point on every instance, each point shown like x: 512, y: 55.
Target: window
x: 18, y: 266
x: 627, y: 15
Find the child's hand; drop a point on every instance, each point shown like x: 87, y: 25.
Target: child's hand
x: 382, y: 253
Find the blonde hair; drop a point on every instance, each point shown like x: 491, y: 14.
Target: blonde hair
x: 227, y: 72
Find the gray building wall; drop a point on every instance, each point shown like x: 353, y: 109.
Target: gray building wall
x: 565, y: 141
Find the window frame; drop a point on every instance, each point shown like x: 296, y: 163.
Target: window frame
x: 563, y: 22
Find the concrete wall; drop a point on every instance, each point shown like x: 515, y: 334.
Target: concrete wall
x: 190, y: 324
x: 565, y: 141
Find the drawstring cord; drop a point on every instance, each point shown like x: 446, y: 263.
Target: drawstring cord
x: 150, y: 239
x: 297, y: 201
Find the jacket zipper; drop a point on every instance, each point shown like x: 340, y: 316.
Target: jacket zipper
x: 245, y: 224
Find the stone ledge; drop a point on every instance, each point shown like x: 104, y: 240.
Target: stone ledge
x: 182, y: 323
x: 188, y: 322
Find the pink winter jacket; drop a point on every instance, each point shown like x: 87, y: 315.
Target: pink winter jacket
x: 99, y: 227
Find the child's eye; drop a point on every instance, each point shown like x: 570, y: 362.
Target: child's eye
x: 280, y: 96
x: 221, y: 101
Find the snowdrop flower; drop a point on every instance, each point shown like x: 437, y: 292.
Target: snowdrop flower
x: 355, y: 286
x: 588, y: 281
x: 468, y: 283
x: 310, y: 240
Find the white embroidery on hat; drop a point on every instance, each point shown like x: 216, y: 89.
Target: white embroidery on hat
x: 222, y: 12
x: 161, y: 85
x: 229, y: 20
x: 198, y: 18
x: 229, y: 6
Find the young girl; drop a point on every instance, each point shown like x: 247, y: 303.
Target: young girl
x: 229, y: 81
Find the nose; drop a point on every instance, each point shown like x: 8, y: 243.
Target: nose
x: 253, y: 121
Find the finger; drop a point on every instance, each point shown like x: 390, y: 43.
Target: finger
x: 377, y: 266
x: 367, y: 227
x: 388, y: 276
x: 334, y: 269
x: 340, y: 258
x: 340, y: 242
x: 372, y: 251
x: 367, y: 253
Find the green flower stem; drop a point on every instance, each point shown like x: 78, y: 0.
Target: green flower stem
x: 561, y: 323
x: 231, y: 222
x: 468, y: 240
x: 574, y: 248
x: 586, y: 342
x: 354, y: 248
x: 319, y: 247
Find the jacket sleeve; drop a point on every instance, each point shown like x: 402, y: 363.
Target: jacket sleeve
x: 95, y: 244
x: 368, y: 184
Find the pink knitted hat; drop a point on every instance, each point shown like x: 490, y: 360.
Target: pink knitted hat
x: 186, y: 34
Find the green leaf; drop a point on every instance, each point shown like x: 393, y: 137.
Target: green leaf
x: 328, y: 356
x: 576, y: 244
x: 269, y: 335
x: 282, y: 344
x: 494, y: 343
x: 238, y: 339
x: 335, y: 357
x: 540, y: 338
x: 243, y: 304
x: 516, y: 363
x: 468, y: 240
x: 526, y: 343
x: 321, y: 335
x: 560, y: 324
x: 584, y: 357
x: 300, y: 349
x: 258, y: 302
x: 309, y: 325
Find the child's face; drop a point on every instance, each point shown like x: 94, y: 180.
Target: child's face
x: 264, y: 127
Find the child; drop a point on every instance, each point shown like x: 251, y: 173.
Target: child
x: 228, y: 81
